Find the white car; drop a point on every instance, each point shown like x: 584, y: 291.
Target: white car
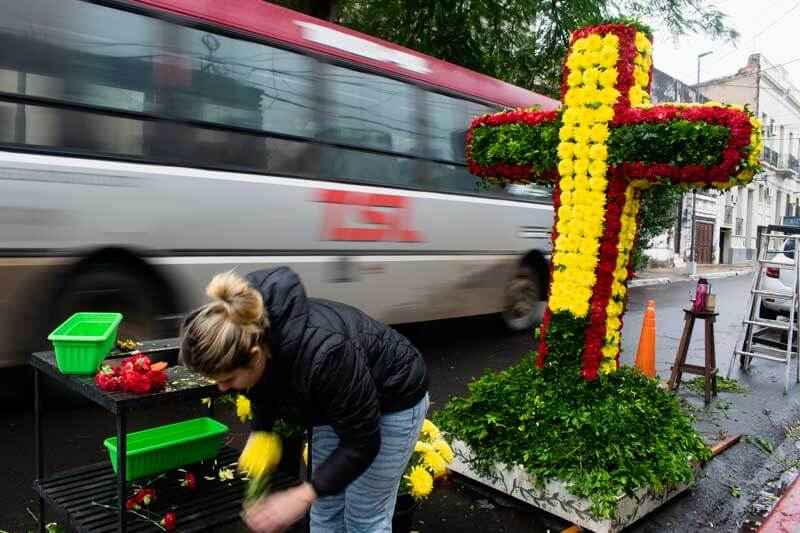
x: 779, y: 280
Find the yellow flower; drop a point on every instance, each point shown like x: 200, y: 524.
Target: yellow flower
x: 430, y: 430
x: 225, y: 474
x: 637, y: 95
x: 607, y: 366
x: 570, y: 116
x: 575, y: 78
x: 579, y: 45
x: 261, y: 454
x: 642, y: 42
x: 444, y: 450
x: 206, y: 401
x: 608, y: 96
x: 605, y: 113
x: 305, y: 454
x: 608, y: 78
x: 598, y: 152
x: 581, y: 166
x: 599, y: 133
x: 422, y: 447
x: 642, y: 79
x: 565, y: 167
x: 594, y: 42
x: 598, y: 168
x: 421, y: 482
x: 576, y: 61
x: 243, y: 408
x: 608, y: 58
x: 566, y: 150
x: 598, y: 184
x: 610, y: 41
x: 591, y: 76
x: 582, y: 135
x: 566, y: 132
x: 434, y: 462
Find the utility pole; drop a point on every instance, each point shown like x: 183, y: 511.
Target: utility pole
x: 691, y: 265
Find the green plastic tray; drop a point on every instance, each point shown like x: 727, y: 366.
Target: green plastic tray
x: 163, y: 448
x: 84, y: 340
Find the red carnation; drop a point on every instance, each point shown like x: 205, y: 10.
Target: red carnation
x: 158, y: 379
x: 169, y: 521
x: 146, y: 496
x: 189, y: 481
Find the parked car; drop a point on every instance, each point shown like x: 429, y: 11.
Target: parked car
x: 779, y: 280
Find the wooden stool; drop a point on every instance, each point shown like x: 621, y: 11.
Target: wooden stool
x: 709, y: 370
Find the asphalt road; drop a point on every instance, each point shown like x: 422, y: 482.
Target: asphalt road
x: 458, y: 351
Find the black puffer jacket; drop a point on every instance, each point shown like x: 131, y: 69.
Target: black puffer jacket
x: 332, y: 364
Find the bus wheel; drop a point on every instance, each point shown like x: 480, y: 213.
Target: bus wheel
x: 116, y: 289
x: 525, y: 295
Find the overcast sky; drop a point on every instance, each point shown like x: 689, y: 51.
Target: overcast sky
x: 769, y: 27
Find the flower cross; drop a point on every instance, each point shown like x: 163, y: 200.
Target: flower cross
x: 601, y: 149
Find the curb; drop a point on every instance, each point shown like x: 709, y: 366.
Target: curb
x: 694, y: 277
x: 652, y: 281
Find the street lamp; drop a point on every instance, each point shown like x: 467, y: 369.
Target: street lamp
x: 691, y: 265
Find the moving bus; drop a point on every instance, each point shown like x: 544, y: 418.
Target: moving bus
x: 147, y: 145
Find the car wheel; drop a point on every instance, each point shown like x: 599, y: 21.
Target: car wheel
x: 767, y: 313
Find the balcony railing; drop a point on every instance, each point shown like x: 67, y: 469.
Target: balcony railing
x: 770, y: 156
x: 728, y: 215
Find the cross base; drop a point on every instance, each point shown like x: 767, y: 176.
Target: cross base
x: 556, y: 499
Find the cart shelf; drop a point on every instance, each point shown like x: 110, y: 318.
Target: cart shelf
x: 75, y: 494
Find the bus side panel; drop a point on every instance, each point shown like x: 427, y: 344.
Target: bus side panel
x: 400, y: 255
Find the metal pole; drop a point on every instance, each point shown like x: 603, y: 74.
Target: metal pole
x: 122, y: 435
x: 691, y: 241
x: 691, y: 265
x: 39, y: 450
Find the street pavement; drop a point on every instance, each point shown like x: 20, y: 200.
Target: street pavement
x: 458, y: 351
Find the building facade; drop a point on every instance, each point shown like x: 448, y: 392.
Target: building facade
x: 746, y: 212
x: 728, y: 225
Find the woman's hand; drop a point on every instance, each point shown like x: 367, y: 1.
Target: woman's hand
x: 280, y: 510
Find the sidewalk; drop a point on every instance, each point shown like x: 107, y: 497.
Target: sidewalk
x: 661, y: 276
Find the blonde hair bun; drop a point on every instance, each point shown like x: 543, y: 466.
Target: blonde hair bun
x: 243, y: 304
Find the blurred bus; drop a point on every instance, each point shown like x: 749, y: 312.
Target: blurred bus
x: 147, y: 145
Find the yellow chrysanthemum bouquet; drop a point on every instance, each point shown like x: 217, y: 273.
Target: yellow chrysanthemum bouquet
x: 429, y: 462
x: 258, y: 460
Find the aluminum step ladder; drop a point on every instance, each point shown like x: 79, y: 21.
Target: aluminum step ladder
x: 754, y: 339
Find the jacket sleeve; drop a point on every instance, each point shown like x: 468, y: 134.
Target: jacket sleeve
x: 344, y: 385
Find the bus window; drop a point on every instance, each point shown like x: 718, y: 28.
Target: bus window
x: 448, y: 121
x: 369, y: 111
x: 367, y: 167
x: 94, y: 55
x: 78, y: 52
x: 244, y: 84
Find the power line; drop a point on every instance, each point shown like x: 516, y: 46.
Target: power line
x: 795, y: 6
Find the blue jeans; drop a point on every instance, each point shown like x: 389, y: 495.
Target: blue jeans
x: 367, y: 504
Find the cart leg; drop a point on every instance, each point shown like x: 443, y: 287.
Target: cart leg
x: 121, y: 474
x: 37, y: 416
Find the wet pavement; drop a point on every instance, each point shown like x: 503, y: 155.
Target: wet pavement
x: 458, y: 351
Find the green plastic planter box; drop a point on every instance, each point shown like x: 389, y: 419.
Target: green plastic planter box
x: 163, y: 448
x: 84, y: 340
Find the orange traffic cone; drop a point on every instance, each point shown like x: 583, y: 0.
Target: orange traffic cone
x: 646, y: 352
